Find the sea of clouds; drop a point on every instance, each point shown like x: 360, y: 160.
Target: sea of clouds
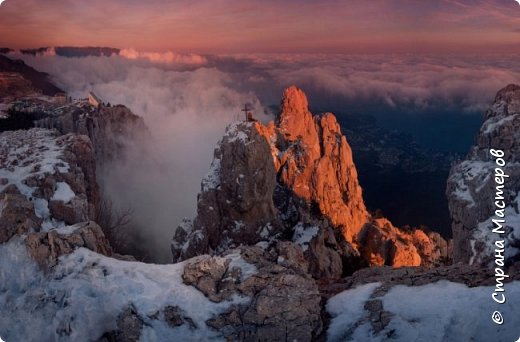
x: 187, y: 100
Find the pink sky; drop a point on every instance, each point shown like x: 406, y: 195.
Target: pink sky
x: 225, y: 26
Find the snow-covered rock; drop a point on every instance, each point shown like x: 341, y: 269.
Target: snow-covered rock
x: 448, y: 303
x: 472, y: 189
x: 442, y: 311
x: 47, y: 247
x: 55, y: 175
x: 284, y: 302
x: 112, y: 130
x: 87, y: 296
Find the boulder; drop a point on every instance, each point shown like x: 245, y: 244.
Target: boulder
x: 17, y: 215
x: 284, y: 303
x: 46, y: 247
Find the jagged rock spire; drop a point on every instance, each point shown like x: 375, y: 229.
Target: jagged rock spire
x: 294, y: 179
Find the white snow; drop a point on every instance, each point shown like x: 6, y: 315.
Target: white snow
x: 239, y: 225
x: 265, y: 231
x: 26, y: 149
x: 237, y: 131
x: 63, y: 193
x: 467, y: 172
x: 346, y: 308
x: 494, y: 123
x: 239, y: 135
x: 473, y: 251
x: 484, y: 234
x: 41, y: 207
x: 442, y: 311
x: 82, y: 296
x: 67, y: 230
x: 303, y: 235
x: 237, y: 261
x: 212, y: 178
x: 30, y: 153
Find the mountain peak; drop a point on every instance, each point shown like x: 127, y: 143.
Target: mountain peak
x: 268, y: 183
x: 295, y: 121
x: 508, y: 91
x: 507, y: 102
x: 294, y: 100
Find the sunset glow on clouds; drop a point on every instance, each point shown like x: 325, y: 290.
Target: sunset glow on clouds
x: 225, y: 26
x: 164, y: 57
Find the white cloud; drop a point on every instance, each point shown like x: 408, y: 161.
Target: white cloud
x: 164, y: 57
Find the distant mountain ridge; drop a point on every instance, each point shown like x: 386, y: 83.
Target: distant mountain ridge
x: 73, y: 51
x: 39, y: 80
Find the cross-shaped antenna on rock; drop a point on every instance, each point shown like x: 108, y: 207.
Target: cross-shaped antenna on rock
x: 246, y: 110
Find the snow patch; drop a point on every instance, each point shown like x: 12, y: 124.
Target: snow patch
x: 303, y: 235
x: 467, y: 172
x: 63, y: 193
x: 237, y: 131
x: 239, y: 225
x: 441, y: 311
x: 446, y: 311
x: 68, y: 230
x: 346, y: 308
x: 484, y: 235
x: 83, y: 295
x: 237, y: 261
x: 265, y: 231
x: 30, y: 154
x: 212, y: 178
x: 493, y: 123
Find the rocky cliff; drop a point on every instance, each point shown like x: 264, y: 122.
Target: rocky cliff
x: 315, y: 162
x: 29, y: 94
x: 296, y: 181
x: 49, y: 194
x: 113, y: 130
x: 53, y: 175
x: 472, y: 188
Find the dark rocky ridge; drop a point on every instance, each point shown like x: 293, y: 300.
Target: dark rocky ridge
x: 73, y: 51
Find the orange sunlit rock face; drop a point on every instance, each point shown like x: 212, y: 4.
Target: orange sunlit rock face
x: 381, y: 243
x: 314, y: 160
x: 266, y: 180
x: 318, y: 164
